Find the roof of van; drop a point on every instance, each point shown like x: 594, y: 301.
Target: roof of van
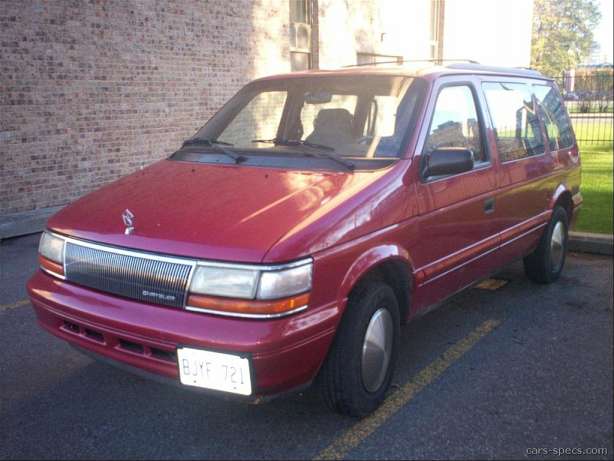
x: 421, y: 69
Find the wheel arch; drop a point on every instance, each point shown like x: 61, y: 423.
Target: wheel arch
x: 562, y: 197
x: 390, y: 263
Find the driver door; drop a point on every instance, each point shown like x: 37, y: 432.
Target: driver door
x: 456, y: 225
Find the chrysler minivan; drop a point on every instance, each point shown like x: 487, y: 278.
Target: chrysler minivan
x: 287, y: 241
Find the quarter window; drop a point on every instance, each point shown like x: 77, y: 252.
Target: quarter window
x: 455, y: 123
x: 515, y: 120
x: 556, y: 120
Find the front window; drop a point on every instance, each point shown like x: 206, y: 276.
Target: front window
x: 361, y: 120
x: 455, y: 123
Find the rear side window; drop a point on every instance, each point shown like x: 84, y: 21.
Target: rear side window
x: 455, y: 122
x: 515, y: 119
x: 556, y: 120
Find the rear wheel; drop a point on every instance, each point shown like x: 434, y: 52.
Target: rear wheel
x: 358, y: 370
x: 546, y: 263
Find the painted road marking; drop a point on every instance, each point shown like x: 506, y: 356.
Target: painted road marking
x: 342, y: 445
x: 491, y: 284
x: 23, y: 302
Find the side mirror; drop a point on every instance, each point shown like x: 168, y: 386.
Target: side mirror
x: 447, y: 160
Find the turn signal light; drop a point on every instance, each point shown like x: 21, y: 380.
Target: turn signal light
x: 50, y: 266
x: 248, y: 307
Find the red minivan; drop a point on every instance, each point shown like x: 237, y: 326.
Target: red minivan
x: 288, y: 240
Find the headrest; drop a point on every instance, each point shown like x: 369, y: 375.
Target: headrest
x: 333, y: 117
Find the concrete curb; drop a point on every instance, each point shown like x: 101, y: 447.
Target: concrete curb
x: 28, y: 222
x: 586, y: 242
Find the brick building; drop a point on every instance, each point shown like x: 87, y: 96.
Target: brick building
x: 93, y: 90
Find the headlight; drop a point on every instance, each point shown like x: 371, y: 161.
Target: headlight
x: 251, y: 291
x: 221, y: 281
x: 284, y: 283
x: 51, y: 253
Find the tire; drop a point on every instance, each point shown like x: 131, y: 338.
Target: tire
x: 546, y: 263
x: 346, y: 389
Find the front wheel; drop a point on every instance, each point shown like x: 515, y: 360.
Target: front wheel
x: 546, y: 263
x: 358, y: 370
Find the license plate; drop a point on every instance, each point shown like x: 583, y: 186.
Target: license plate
x: 214, y: 370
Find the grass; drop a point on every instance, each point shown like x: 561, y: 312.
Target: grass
x: 596, y: 212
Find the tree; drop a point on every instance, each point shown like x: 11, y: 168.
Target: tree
x: 562, y: 34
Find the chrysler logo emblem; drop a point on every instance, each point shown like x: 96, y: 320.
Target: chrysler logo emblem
x: 128, y: 218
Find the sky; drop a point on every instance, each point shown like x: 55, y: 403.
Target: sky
x: 603, y: 32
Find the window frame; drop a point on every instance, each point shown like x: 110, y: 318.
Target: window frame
x: 482, y: 128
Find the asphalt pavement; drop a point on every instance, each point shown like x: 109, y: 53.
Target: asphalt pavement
x: 494, y: 373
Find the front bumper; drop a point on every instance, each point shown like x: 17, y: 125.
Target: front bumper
x: 285, y: 353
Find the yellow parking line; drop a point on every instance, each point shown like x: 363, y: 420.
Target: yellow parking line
x: 23, y: 302
x: 341, y: 446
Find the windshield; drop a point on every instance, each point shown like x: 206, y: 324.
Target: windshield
x: 349, y: 119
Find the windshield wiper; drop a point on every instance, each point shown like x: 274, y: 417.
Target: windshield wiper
x: 217, y: 147
x: 206, y: 141
x: 328, y: 151
x: 294, y: 142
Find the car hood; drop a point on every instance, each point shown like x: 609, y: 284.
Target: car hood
x: 220, y: 212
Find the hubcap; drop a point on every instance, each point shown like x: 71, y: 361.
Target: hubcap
x: 376, y: 350
x: 557, y: 246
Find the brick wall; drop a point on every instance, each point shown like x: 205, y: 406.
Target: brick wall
x: 91, y: 91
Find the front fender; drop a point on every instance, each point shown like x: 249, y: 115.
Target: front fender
x: 366, y: 262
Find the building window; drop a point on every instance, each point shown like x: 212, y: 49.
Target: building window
x: 373, y: 58
x: 301, y: 21
x: 437, y: 18
x: 299, y: 11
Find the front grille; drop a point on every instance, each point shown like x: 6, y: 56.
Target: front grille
x: 149, y: 279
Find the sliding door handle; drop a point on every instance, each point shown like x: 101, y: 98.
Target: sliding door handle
x: 489, y: 205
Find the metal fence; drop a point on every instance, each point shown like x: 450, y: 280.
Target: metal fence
x: 589, y: 99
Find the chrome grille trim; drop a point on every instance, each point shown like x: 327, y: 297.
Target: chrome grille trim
x: 245, y: 315
x: 137, y: 275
